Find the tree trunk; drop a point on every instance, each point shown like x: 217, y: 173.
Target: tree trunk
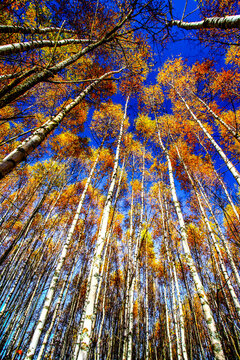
x: 48, y: 73
x: 36, y: 44
x: 229, y: 164
x: 33, y: 141
x: 90, y: 301
x: 214, y: 336
x: 55, y: 278
x: 226, y: 22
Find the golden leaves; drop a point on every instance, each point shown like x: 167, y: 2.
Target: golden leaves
x: 153, y: 97
x: 108, y: 119
x: 145, y: 126
x: 136, y: 186
x: 227, y: 84
x: 68, y: 145
x: 233, y: 56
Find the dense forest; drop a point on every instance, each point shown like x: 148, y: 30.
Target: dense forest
x: 119, y: 168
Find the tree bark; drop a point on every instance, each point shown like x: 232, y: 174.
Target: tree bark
x: 55, y: 278
x: 229, y: 164
x: 81, y: 351
x: 51, y: 71
x: 212, y: 330
x: 226, y: 22
x: 33, y: 141
x: 14, y: 29
x: 16, y: 48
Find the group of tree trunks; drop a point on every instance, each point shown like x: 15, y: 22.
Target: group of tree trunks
x: 119, y: 228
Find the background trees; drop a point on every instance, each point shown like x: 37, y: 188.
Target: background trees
x: 119, y: 184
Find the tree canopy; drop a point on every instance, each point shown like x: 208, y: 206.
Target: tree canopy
x: 119, y: 168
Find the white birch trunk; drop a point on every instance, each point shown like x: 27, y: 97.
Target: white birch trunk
x: 49, y: 72
x: 229, y: 128
x: 49, y: 297
x: 212, y: 330
x: 127, y: 307
x: 13, y: 29
x: 175, y: 317
x: 220, y: 259
x: 222, y: 183
x: 228, y: 196
x: 33, y: 141
x: 46, y: 336
x: 146, y: 307
x: 98, y: 349
x: 221, y: 236
x: 164, y: 288
x: 89, y: 314
x: 181, y: 317
x: 229, y: 164
x: 226, y: 22
x: 36, y: 44
x: 134, y: 267
x: 167, y: 325
x: 60, y: 302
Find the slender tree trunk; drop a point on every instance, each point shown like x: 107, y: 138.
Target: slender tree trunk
x: 14, y: 29
x: 214, y: 241
x: 65, y: 286
x: 229, y: 128
x: 181, y: 318
x: 98, y: 346
x: 196, y: 325
x: 147, y: 306
x: 36, y: 44
x: 214, y: 336
x: 226, y: 22
x: 167, y: 325
x: 134, y: 267
x: 165, y: 241
x: 24, y: 230
x: 33, y: 141
x: 81, y: 352
x: 127, y: 297
x: 221, y: 236
x: 49, y: 72
x: 228, y: 163
x: 55, y: 278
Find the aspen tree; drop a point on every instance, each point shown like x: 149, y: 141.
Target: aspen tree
x: 135, y: 264
x: 221, y: 236
x: 229, y: 164
x: 229, y: 128
x: 49, y: 297
x: 167, y: 324
x: 175, y: 315
x: 220, y: 233
x: 147, y: 300
x: 213, y: 334
x: 65, y: 286
x: 103, y: 310
x: 48, y: 72
x: 81, y: 351
x: 181, y: 318
x: 38, y: 44
x: 130, y: 253
x: 31, y: 143
x: 165, y: 241
x: 226, y: 22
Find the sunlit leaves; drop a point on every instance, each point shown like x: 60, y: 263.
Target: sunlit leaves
x: 68, y: 144
x: 145, y: 126
x: 107, y: 120
x: 153, y: 98
x: 233, y: 56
